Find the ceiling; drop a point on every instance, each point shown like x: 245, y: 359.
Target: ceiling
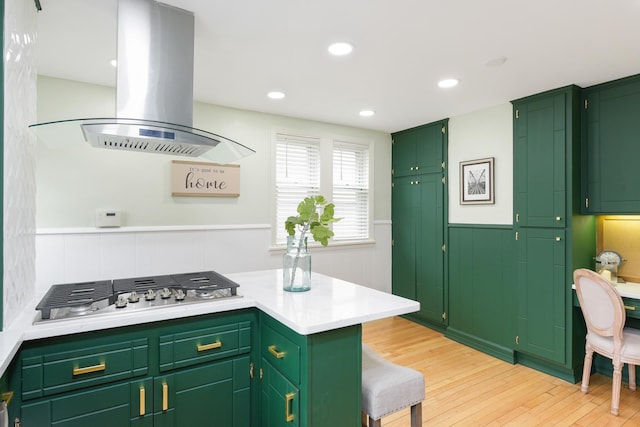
x: 246, y: 48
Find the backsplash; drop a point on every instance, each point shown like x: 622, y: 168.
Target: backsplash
x: 19, y: 157
x: 621, y: 234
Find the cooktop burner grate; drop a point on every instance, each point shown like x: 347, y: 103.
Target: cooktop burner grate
x: 143, y: 284
x: 75, y: 295
x: 205, y: 281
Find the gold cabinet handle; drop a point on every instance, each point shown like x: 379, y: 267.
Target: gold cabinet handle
x: 205, y: 347
x: 165, y: 396
x: 142, y: 408
x: 558, y: 238
x: 629, y: 307
x: 89, y: 369
x: 288, y: 403
x: 558, y: 218
x: 277, y: 354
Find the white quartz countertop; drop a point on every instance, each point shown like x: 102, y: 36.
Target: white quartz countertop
x: 330, y: 304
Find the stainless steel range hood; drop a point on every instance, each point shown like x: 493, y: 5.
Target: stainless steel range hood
x: 154, y: 90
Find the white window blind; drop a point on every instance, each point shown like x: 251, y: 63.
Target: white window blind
x: 297, y: 176
x: 351, y: 191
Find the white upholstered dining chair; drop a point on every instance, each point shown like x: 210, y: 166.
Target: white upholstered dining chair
x: 604, y: 315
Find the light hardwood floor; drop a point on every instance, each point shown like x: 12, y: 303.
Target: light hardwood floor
x: 465, y: 387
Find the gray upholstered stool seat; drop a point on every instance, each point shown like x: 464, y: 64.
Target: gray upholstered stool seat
x: 387, y: 388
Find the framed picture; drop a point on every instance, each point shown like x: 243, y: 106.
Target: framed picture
x: 476, y: 182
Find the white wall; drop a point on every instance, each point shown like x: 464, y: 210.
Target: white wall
x: 73, y: 179
x: 478, y: 135
x: 19, y: 165
x: 163, y: 234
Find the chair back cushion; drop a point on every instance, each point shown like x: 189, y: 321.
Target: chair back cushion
x: 601, y: 304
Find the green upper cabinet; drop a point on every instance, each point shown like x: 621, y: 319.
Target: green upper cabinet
x: 540, y: 133
x: 611, y: 129
x: 418, y: 220
x: 418, y: 150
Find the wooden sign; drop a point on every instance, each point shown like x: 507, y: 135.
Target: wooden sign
x: 204, y: 179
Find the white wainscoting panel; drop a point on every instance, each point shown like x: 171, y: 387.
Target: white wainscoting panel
x: 64, y: 256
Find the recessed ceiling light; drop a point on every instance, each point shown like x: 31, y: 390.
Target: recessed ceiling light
x: 276, y: 94
x: 340, y: 48
x: 114, y: 63
x: 447, y: 83
x: 367, y: 113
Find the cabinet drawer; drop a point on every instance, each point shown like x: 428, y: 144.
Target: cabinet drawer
x: 632, y: 307
x: 82, y: 367
x: 281, y: 352
x: 203, y: 345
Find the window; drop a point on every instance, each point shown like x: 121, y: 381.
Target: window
x: 339, y: 170
x: 351, y: 191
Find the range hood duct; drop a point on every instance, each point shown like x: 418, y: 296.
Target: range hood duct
x: 154, y: 89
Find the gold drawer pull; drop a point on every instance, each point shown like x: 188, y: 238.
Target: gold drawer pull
x: 89, y: 369
x: 288, y: 403
x: 277, y: 354
x: 142, y: 408
x: 629, y: 307
x: 211, y: 346
x: 165, y: 396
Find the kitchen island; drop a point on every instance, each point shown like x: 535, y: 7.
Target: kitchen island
x: 305, y: 337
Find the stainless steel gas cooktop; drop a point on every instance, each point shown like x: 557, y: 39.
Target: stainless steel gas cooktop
x: 72, y: 300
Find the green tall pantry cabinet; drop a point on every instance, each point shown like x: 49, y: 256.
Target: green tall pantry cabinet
x: 552, y: 238
x: 418, y: 219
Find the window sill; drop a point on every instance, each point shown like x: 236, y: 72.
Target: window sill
x: 333, y: 244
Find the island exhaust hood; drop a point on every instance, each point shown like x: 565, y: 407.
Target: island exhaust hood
x: 154, y: 90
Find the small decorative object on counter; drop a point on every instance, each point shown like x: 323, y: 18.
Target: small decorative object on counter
x: 607, y: 264
x: 296, y: 263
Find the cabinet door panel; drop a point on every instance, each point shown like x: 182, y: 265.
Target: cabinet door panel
x: 613, y: 148
x: 403, y: 158
x: 403, y: 229
x: 540, y: 162
x: 429, y: 254
x: 103, y: 407
x: 280, y: 399
x: 541, y: 293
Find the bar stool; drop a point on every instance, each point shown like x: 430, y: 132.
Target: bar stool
x: 387, y: 388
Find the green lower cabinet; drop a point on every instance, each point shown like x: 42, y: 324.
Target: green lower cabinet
x: 542, y: 290
x: 311, y: 380
x: 418, y: 238
x: 209, y: 395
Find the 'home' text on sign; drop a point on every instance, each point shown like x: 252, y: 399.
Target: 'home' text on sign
x: 204, y: 179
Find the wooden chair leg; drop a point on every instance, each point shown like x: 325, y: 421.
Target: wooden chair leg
x: 416, y: 415
x: 375, y: 423
x: 616, y: 385
x: 632, y: 377
x: 586, y: 371
x: 365, y: 418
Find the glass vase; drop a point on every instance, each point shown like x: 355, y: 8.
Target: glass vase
x: 296, y: 265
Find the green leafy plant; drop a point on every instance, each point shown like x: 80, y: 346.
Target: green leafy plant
x: 315, y: 215
x: 309, y: 219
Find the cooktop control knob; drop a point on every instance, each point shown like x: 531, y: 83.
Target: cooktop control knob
x: 121, y: 302
x: 165, y: 293
x: 150, y: 295
x: 134, y: 297
x: 180, y: 295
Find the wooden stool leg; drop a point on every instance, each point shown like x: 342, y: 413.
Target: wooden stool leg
x: 365, y: 418
x: 375, y: 423
x: 416, y: 415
